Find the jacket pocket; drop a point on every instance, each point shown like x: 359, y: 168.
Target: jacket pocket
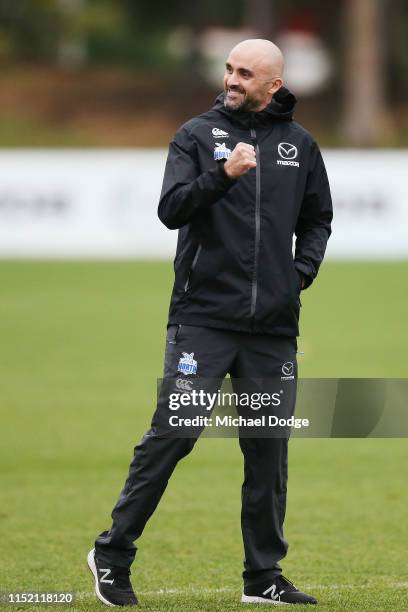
x: 299, y: 287
x: 192, y: 267
x: 172, y: 333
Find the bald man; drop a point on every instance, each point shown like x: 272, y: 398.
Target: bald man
x: 241, y: 181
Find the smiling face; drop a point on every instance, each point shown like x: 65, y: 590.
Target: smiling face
x: 252, y: 75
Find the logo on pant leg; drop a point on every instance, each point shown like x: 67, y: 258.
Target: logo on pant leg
x: 187, y: 364
x: 288, y: 370
x: 183, y: 384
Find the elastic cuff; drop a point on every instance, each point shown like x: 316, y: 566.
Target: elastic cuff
x: 303, y: 271
x: 261, y: 577
x: 225, y: 180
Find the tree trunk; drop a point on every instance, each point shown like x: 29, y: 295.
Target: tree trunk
x: 258, y: 16
x: 366, y: 120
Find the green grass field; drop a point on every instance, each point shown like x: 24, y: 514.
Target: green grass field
x: 81, y: 349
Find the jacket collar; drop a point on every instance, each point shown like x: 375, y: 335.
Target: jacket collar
x: 280, y: 108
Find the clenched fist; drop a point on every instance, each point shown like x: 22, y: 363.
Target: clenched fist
x: 241, y: 160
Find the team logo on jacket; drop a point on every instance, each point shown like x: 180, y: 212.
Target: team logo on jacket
x: 288, y: 152
x: 221, y: 151
x: 187, y: 364
x: 217, y: 133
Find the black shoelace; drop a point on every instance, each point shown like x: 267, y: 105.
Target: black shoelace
x: 121, y: 578
x: 284, y: 583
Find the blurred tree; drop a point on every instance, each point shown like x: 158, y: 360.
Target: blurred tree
x: 397, y: 34
x: 139, y: 34
x: 366, y: 118
x: 31, y: 28
x: 258, y: 16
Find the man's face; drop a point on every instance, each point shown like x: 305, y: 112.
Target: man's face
x: 248, y: 82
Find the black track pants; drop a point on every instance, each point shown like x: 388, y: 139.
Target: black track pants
x: 217, y: 352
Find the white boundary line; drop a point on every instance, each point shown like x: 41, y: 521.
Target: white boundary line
x: 197, y: 591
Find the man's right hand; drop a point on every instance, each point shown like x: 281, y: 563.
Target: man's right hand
x: 241, y: 160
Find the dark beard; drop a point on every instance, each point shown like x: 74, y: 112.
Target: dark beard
x: 247, y: 106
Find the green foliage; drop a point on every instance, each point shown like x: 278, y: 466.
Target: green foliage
x: 29, y: 29
x: 118, y: 31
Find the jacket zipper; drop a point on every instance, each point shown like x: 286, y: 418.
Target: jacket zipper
x: 254, y: 291
x: 193, y: 265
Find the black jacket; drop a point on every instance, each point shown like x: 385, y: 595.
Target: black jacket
x: 234, y: 266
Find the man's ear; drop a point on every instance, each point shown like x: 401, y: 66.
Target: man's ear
x: 275, y: 85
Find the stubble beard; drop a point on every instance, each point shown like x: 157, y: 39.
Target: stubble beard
x: 247, y: 105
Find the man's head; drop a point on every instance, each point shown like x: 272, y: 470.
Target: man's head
x: 253, y: 73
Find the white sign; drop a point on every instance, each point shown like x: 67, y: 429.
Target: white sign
x: 103, y: 204
x: 82, y: 204
x: 370, y: 203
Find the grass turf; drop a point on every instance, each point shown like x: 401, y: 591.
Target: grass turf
x: 82, y: 346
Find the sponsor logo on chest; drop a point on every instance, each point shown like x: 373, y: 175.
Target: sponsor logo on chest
x: 288, y: 154
x: 217, y: 133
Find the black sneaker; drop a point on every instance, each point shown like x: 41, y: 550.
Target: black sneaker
x: 112, y: 584
x: 279, y: 590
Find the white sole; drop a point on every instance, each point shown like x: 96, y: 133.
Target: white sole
x: 261, y: 600
x: 92, y: 567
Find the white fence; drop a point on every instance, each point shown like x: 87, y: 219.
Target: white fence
x: 102, y: 204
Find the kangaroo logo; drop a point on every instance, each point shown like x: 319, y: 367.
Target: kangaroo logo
x: 221, y: 151
x: 187, y: 364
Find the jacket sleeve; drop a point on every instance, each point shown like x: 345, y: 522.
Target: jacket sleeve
x: 186, y: 190
x: 313, y: 226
